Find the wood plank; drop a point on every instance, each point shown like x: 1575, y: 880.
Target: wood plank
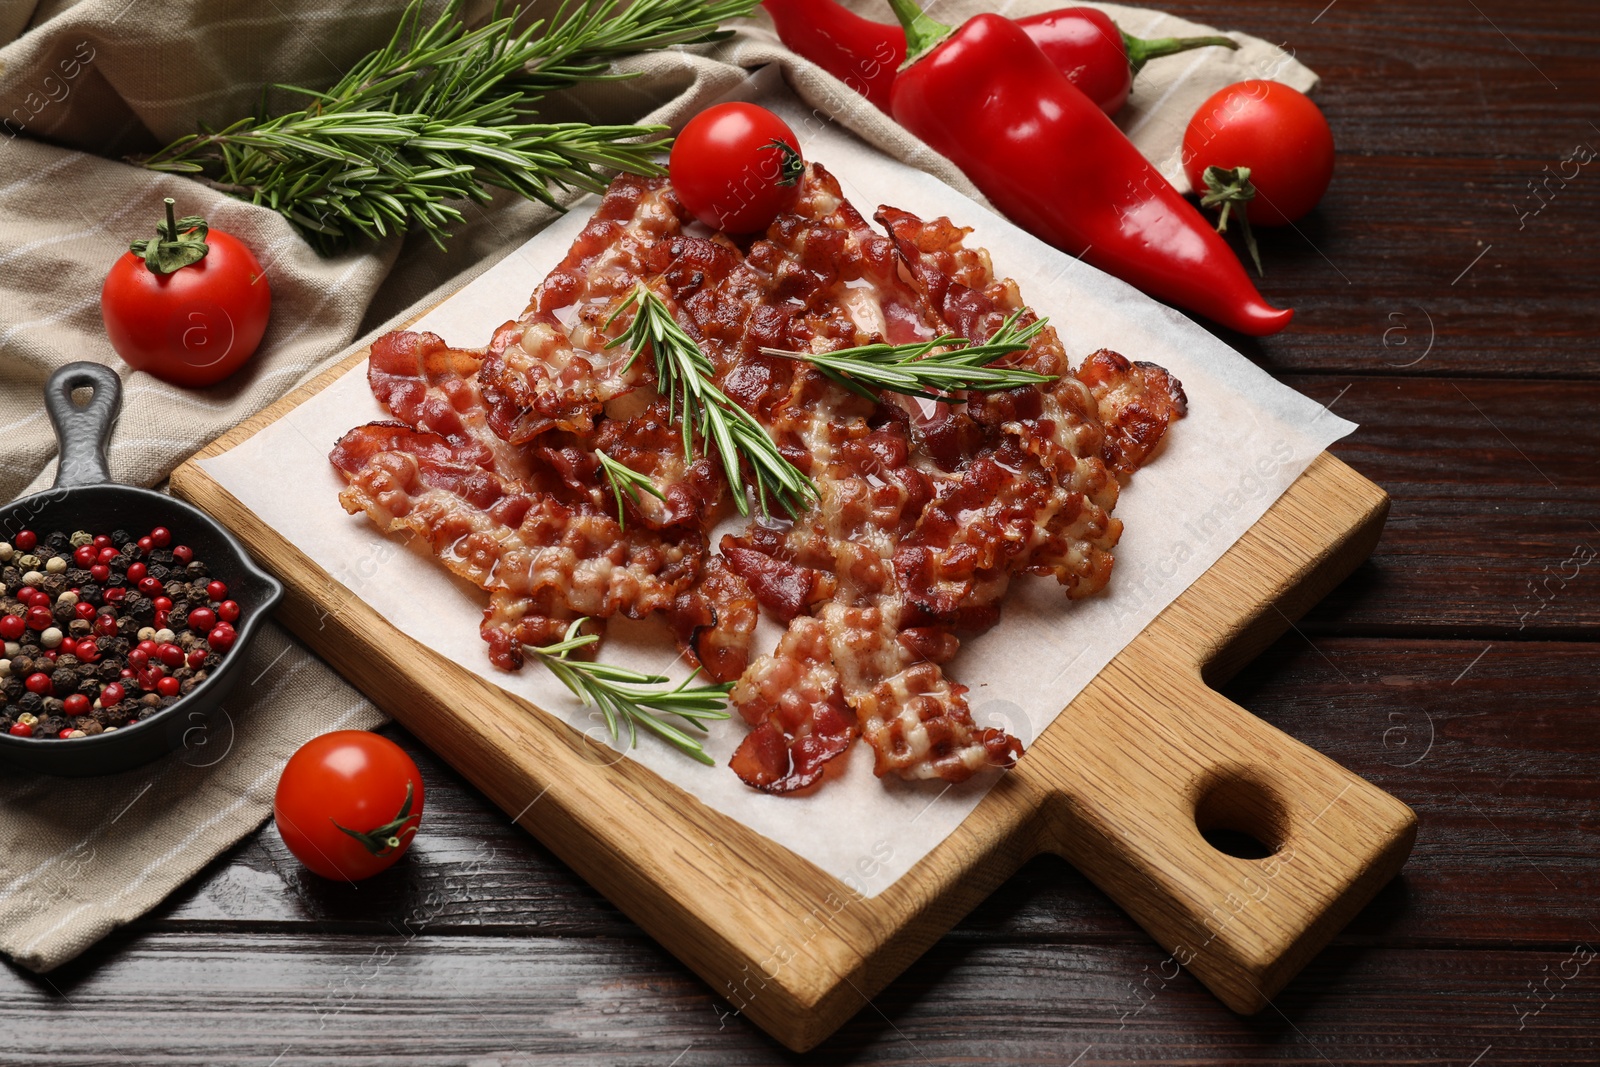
x: 1495, y: 506
x: 1466, y: 91
x: 1372, y: 273
x: 427, y: 1000
x: 1435, y: 80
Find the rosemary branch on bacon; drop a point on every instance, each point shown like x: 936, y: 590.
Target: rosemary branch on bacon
x: 624, y: 479
x: 933, y: 369
x: 684, y: 374
x: 616, y: 692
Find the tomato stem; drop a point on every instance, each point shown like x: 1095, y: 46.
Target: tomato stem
x: 177, y: 243
x: 385, y: 838
x: 793, y: 167
x: 1230, y: 190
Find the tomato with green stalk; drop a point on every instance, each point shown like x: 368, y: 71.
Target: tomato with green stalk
x: 736, y: 167
x: 1261, y: 152
x: 189, y: 305
x: 348, y: 804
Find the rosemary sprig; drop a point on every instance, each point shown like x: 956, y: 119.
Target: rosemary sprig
x: 684, y: 374
x: 625, y: 479
x: 930, y: 369
x: 614, y: 691
x: 441, y: 114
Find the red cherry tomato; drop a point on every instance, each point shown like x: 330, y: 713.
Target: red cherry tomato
x: 348, y: 804
x: 195, y: 325
x: 735, y: 167
x: 1275, y: 131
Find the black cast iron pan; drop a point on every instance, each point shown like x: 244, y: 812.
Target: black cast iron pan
x: 85, y: 498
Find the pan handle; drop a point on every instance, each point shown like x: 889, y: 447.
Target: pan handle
x: 82, y: 432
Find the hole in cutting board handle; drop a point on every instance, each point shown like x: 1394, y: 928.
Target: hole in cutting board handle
x: 1241, y: 816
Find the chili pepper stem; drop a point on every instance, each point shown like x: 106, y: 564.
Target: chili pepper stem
x: 923, y: 34
x: 1141, y: 51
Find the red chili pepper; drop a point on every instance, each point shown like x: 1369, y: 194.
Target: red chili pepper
x: 989, y: 100
x: 1097, y: 56
x: 859, y: 52
x: 1083, y: 43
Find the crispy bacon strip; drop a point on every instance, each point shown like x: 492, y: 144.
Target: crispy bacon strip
x: 793, y: 701
x: 715, y: 621
x: 543, y: 561
x: 551, y: 369
x: 1137, y: 402
x: 428, y: 385
x: 783, y: 587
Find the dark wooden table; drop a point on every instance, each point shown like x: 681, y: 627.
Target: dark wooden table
x: 1449, y: 299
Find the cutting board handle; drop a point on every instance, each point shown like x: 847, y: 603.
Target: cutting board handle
x: 1129, y: 810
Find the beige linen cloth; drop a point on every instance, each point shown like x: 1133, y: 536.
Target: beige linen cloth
x: 84, y: 84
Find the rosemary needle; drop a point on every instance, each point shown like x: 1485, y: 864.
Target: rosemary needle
x: 615, y: 691
x: 684, y: 375
x: 931, y: 369
x: 625, y: 479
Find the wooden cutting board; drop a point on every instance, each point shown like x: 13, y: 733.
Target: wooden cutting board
x: 1120, y: 785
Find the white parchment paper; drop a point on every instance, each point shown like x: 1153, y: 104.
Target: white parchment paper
x: 1246, y: 438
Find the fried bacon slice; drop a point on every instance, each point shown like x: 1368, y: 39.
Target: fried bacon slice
x: 798, y: 715
x: 714, y: 621
x: 926, y: 509
x: 550, y: 368
x: 1137, y: 402
x: 543, y: 561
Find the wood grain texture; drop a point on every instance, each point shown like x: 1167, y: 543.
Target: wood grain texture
x: 298, y: 999
x: 1496, y: 490
x: 1444, y: 113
